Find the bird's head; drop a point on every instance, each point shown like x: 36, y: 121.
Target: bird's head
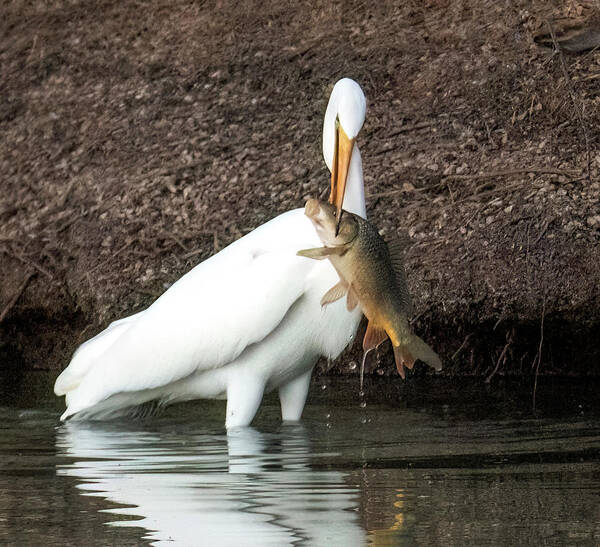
x: 344, y: 119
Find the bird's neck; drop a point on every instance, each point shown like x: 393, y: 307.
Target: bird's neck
x: 354, y: 197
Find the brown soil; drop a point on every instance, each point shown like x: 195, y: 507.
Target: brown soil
x: 140, y: 138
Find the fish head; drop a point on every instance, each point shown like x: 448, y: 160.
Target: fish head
x: 324, y: 218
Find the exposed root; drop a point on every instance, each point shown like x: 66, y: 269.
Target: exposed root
x: 538, y: 356
x: 457, y: 352
x: 502, y: 359
x: 16, y: 296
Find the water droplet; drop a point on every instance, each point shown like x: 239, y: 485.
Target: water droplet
x: 328, y: 416
x: 352, y: 365
x: 361, y: 393
x: 324, y: 387
x: 363, y: 404
x: 380, y: 371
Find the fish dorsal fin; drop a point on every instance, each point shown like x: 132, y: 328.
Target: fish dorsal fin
x: 374, y: 336
x: 398, y: 244
x: 397, y: 248
x: 336, y: 292
x: 351, y: 299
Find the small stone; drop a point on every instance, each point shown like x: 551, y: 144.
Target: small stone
x: 593, y: 220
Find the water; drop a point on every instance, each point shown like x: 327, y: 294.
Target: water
x: 425, y: 466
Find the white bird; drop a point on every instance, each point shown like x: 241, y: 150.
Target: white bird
x: 245, y: 321
x: 244, y: 488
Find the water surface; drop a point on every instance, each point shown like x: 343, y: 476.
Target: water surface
x: 426, y: 466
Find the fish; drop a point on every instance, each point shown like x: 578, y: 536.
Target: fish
x: 372, y: 276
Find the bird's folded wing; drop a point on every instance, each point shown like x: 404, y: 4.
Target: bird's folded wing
x: 204, y: 321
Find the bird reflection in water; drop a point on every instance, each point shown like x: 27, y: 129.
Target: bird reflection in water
x: 242, y: 488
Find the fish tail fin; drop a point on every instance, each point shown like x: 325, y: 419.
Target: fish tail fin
x: 414, y: 348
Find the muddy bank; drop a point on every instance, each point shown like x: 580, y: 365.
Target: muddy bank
x: 139, y: 140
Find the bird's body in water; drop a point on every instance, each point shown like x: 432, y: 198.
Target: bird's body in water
x: 245, y: 321
x: 370, y: 277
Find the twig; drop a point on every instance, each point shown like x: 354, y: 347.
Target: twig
x: 116, y: 253
x: 407, y: 128
x: 175, y: 239
x: 216, y: 246
x: 391, y: 193
x: 16, y: 296
x: 143, y: 291
x: 538, y: 355
x: 516, y: 171
x: 192, y: 253
x: 502, y: 359
x: 579, y: 113
x: 542, y: 231
x: 69, y: 222
x: 63, y: 199
x: 31, y: 263
x: 488, y: 175
x: 457, y: 352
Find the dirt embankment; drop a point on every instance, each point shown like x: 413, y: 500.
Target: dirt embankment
x: 138, y: 140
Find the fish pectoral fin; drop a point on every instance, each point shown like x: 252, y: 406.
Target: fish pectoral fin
x: 351, y: 299
x: 319, y: 253
x: 336, y: 292
x: 374, y: 336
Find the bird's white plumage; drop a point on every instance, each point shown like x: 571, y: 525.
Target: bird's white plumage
x: 245, y: 320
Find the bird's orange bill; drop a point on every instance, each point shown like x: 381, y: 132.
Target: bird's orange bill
x: 342, y: 152
x: 373, y: 336
x: 403, y: 359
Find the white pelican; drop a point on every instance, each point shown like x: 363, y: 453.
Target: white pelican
x: 245, y: 321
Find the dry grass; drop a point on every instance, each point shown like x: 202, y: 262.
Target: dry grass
x: 140, y: 138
